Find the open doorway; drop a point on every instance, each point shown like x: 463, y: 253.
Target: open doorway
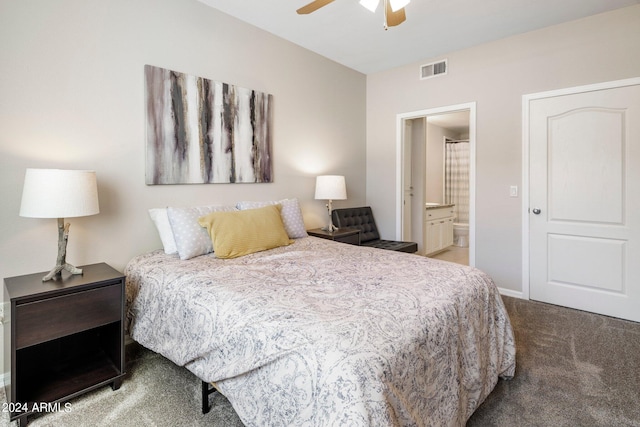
x: 435, y: 206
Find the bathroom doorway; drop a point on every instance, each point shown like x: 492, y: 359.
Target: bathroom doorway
x: 436, y: 149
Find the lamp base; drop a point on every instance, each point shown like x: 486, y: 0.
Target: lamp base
x: 61, y: 263
x: 57, y: 271
x: 329, y: 227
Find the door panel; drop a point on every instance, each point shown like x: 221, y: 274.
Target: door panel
x: 584, y: 219
x: 567, y: 266
x: 586, y: 166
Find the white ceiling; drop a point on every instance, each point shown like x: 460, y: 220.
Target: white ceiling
x: 351, y: 35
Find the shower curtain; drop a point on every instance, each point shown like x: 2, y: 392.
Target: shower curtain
x: 456, y: 186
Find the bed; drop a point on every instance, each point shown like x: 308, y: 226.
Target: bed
x: 321, y: 333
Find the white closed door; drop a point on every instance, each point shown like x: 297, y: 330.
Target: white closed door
x: 584, y: 204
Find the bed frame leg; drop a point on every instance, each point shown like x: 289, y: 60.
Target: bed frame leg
x: 207, y: 389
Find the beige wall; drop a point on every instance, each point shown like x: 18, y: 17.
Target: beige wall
x: 73, y: 97
x: 71, y: 79
x: 495, y: 76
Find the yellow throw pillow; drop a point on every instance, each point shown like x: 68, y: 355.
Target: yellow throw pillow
x: 238, y: 233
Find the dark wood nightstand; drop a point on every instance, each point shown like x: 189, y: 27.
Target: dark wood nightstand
x: 62, y: 337
x: 343, y: 235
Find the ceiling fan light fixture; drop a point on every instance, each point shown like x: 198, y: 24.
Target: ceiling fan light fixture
x: 393, y: 9
x: 372, y: 5
x: 397, y: 4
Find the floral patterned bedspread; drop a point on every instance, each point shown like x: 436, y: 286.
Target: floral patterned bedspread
x: 321, y: 333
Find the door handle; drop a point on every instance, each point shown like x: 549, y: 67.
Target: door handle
x: 536, y: 211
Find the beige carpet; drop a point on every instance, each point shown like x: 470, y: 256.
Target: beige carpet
x: 156, y: 393
x: 574, y: 369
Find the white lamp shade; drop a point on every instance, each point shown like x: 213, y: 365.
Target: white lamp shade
x: 56, y: 193
x: 331, y: 187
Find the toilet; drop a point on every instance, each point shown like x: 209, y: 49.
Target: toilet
x: 461, y: 234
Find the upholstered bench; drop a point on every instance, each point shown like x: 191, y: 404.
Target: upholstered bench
x: 362, y: 218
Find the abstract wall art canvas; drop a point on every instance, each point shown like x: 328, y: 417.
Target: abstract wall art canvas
x: 201, y: 131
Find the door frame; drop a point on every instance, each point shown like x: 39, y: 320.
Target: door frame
x: 400, y: 119
x: 526, y: 99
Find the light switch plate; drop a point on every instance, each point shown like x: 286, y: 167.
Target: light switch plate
x: 513, y: 191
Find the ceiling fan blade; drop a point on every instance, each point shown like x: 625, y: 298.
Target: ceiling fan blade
x: 394, y: 18
x: 313, y: 6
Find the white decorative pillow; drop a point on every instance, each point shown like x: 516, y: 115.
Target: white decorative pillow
x: 191, y: 239
x: 161, y: 221
x: 291, y: 215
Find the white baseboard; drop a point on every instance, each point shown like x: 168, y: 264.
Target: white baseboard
x: 511, y: 293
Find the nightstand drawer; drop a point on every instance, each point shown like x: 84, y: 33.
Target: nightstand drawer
x: 49, y: 319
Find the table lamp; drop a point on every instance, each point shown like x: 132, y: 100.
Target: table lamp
x: 330, y: 187
x: 56, y: 193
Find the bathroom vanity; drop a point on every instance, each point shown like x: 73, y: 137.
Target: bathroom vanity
x: 438, y: 228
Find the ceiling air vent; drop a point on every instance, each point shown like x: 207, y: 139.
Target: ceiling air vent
x: 433, y: 70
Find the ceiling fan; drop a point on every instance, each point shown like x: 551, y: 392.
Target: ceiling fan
x: 393, y: 9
